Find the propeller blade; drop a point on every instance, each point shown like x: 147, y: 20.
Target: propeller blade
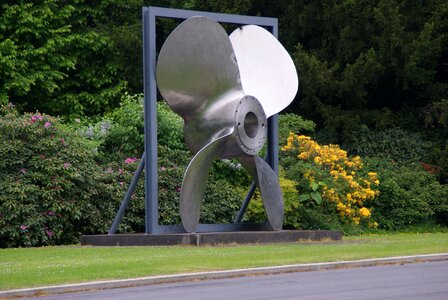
x: 196, y: 66
x: 269, y: 188
x: 267, y: 71
x: 195, y: 179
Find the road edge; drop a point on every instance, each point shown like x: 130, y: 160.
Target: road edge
x: 140, y: 281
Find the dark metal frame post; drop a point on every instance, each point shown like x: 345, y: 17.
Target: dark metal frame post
x: 150, y: 113
x: 125, y: 202
x: 150, y: 116
x: 272, y: 155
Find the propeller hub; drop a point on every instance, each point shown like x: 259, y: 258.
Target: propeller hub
x: 250, y: 125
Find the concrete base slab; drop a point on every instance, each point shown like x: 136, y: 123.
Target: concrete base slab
x: 210, y: 238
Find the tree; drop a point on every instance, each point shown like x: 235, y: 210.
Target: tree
x: 53, y: 61
x: 370, y: 56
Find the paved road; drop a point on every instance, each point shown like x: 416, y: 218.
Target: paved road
x: 410, y: 281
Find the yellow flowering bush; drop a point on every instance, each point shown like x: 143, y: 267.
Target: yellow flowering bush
x: 327, y: 170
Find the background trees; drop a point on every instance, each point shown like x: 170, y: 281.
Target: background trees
x: 385, y: 57
x: 52, y: 58
x: 373, y: 79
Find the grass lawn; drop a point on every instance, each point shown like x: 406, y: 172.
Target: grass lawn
x: 29, y: 267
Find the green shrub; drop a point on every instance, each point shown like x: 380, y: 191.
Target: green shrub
x: 409, y: 195
x: 231, y: 171
x: 394, y: 144
x: 120, y: 133
x: 122, y: 129
x: 439, y: 161
x: 172, y: 165
x: 51, y: 189
x: 397, y: 208
x: 439, y: 202
x: 292, y: 122
x: 169, y: 128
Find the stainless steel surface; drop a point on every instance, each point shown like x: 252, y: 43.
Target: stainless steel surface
x: 194, y: 182
x: 269, y: 188
x: 244, y: 140
x: 199, y: 77
x: 267, y: 71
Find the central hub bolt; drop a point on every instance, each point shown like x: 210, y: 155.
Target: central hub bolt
x: 250, y: 125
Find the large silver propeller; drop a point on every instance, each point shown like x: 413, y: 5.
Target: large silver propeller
x: 225, y: 89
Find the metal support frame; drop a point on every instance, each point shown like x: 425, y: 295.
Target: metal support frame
x: 149, y: 159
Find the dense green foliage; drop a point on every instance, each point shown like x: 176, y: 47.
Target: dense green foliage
x: 352, y: 56
x: 51, y: 189
x: 409, y: 195
x: 292, y: 122
x: 376, y: 65
x: 119, y: 133
x: 393, y: 144
x: 362, y: 64
x: 373, y: 78
x: 52, y: 60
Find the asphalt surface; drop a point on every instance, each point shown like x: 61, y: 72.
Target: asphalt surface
x: 421, y: 280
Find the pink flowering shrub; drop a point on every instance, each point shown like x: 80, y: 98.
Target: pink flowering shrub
x: 130, y: 160
x: 51, y: 188
x: 54, y: 188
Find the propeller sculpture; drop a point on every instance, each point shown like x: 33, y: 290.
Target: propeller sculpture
x: 225, y: 88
